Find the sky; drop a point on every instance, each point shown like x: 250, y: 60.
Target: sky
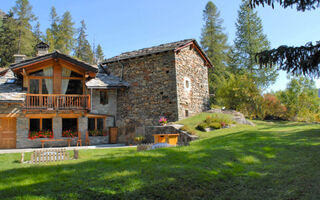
x: 126, y: 25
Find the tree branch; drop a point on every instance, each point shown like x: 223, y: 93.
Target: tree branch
x: 301, y: 5
x: 296, y: 60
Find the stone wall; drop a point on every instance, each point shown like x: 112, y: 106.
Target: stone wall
x: 152, y: 92
x: 23, y: 132
x: 108, y: 109
x: 191, y: 67
x: 10, y: 108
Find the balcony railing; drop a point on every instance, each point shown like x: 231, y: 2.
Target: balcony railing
x: 57, y: 102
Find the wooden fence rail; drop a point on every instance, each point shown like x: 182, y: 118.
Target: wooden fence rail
x: 57, y: 102
x: 49, y: 155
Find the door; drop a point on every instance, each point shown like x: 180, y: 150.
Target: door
x: 7, y: 133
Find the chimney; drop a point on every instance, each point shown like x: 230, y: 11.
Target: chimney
x: 18, y: 58
x: 42, y: 48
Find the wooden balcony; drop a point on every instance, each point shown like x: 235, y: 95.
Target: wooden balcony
x: 56, y: 102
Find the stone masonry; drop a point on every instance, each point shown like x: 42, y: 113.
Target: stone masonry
x: 157, y: 88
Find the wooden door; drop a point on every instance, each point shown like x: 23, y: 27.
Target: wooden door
x: 7, y: 133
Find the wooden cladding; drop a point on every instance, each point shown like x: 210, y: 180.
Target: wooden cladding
x: 57, y: 102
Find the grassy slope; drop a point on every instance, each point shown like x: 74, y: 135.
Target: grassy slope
x: 269, y: 161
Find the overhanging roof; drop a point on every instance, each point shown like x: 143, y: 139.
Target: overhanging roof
x: 54, y: 55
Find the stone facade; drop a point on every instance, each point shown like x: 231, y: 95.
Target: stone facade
x: 152, y: 92
x: 192, y: 83
x: 157, y: 89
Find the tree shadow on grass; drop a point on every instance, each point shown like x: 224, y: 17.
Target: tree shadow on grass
x: 243, y: 165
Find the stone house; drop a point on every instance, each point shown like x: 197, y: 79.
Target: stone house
x: 56, y: 96
x: 168, y: 80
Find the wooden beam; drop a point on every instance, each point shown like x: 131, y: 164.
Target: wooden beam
x: 72, y: 67
x: 42, y: 115
x: 71, y: 115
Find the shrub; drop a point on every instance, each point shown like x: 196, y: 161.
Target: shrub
x: 188, y: 129
x: 202, y: 126
x: 215, y: 125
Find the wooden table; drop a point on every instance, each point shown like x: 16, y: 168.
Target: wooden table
x: 55, y: 140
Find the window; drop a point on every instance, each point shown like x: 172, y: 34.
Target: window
x: 187, y: 84
x: 34, y: 86
x: 41, y: 81
x: 42, y: 124
x: 96, y: 126
x: 186, y: 113
x: 74, y: 87
x: 104, y: 97
x: 70, y: 124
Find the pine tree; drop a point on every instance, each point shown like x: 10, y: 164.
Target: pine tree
x: 26, y: 40
x: 83, y: 48
x: 250, y: 40
x: 52, y: 32
x: 65, y: 40
x: 99, y: 54
x: 8, y: 40
x: 37, y: 33
x: 214, y: 43
x: 300, y: 60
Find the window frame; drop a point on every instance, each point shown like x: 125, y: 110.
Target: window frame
x: 41, y: 122
x: 104, y: 101
x: 96, y: 122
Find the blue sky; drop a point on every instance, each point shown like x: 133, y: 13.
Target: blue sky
x: 126, y: 25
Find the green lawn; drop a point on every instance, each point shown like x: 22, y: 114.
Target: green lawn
x: 269, y: 161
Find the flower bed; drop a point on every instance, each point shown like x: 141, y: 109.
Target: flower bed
x: 97, y: 133
x: 70, y: 133
x: 40, y: 134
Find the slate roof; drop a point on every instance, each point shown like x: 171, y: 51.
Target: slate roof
x: 155, y: 49
x: 10, y: 92
x: 104, y: 81
x: 55, y: 54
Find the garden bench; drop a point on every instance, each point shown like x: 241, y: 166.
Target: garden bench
x: 55, y: 140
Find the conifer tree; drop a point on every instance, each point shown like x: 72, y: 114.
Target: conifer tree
x: 52, y: 32
x: 8, y: 40
x: 99, y: 54
x: 83, y: 48
x: 214, y: 43
x: 65, y: 40
x: 26, y: 40
x: 250, y: 40
x: 37, y: 33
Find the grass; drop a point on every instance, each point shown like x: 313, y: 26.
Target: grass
x: 273, y: 160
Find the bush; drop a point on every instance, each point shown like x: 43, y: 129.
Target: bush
x: 219, y: 118
x: 215, y: 125
x: 188, y: 129
x: 202, y: 126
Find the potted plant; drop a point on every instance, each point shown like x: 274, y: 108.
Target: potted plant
x: 40, y: 134
x: 163, y: 121
x: 69, y: 133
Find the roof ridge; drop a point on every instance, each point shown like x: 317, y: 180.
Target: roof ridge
x: 150, y: 50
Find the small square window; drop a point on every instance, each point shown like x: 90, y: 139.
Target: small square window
x: 103, y: 97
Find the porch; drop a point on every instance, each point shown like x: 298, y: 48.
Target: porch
x: 56, y: 102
